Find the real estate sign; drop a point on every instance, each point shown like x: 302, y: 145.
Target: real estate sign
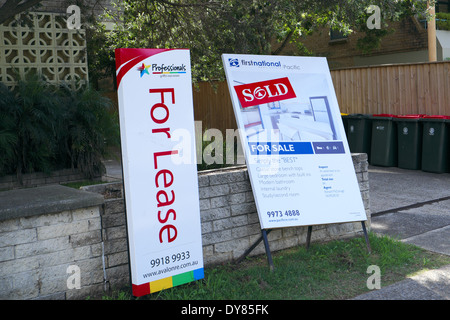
x: 160, y: 173
x: 298, y: 158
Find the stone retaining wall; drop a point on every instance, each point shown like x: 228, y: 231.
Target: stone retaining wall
x: 229, y: 221
x: 42, y: 239
x: 43, y: 232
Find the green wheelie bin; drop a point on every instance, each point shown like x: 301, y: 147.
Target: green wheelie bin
x: 435, y: 144
x: 383, y: 149
x: 344, y: 121
x: 409, y: 135
x: 359, y: 132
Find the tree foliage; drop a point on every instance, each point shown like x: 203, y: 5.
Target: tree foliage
x: 212, y: 27
x: 9, y: 8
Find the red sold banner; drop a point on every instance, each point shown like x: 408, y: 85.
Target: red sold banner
x: 257, y: 93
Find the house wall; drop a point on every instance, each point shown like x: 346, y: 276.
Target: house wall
x: 443, y: 44
x: 393, y: 58
x: 408, y: 35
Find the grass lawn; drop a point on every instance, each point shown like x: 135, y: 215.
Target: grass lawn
x: 79, y: 184
x: 327, y: 271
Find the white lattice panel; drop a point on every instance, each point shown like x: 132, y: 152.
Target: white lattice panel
x: 45, y: 46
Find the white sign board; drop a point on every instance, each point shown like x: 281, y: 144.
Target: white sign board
x: 159, y: 168
x: 297, y: 155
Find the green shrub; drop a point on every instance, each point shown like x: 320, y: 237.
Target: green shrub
x: 8, y: 134
x: 443, y: 21
x: 28, y: 112
x: 88, y: 128
x: 45, y: 128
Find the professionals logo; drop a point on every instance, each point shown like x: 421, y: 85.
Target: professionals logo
x: 168, y: 68
x: 234, y: 62
x: 144, y: 69
x: 162, y: 69
x: 257, y: 93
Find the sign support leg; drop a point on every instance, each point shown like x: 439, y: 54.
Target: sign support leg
x: 268, y: 253
x: 308, y: 237
x: 363, y: 223
x: 263, y: 237
x: 265, y: 232
x: 366, y: 236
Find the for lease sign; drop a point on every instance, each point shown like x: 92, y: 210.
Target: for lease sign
x: 297, y: 154
x: 160, y: 173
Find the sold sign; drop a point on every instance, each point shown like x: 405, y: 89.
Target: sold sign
x: 256, y: 93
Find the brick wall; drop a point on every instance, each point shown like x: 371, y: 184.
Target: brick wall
x: 38, y: 244
x: 60, y: 6
x: 406, y: 35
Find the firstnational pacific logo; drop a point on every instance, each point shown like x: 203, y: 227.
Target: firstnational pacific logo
x: 162, y: 69
x: 235, y: 62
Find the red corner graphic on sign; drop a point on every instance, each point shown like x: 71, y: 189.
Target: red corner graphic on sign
x: 256, y: 93
x: 127, y: 58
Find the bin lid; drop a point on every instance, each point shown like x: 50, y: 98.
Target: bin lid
x: 436, y: 117
x: 385, y: 115
x: 439, y: 118
x: 411, y: 117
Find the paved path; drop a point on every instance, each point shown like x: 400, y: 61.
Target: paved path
x: 413, y: 206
